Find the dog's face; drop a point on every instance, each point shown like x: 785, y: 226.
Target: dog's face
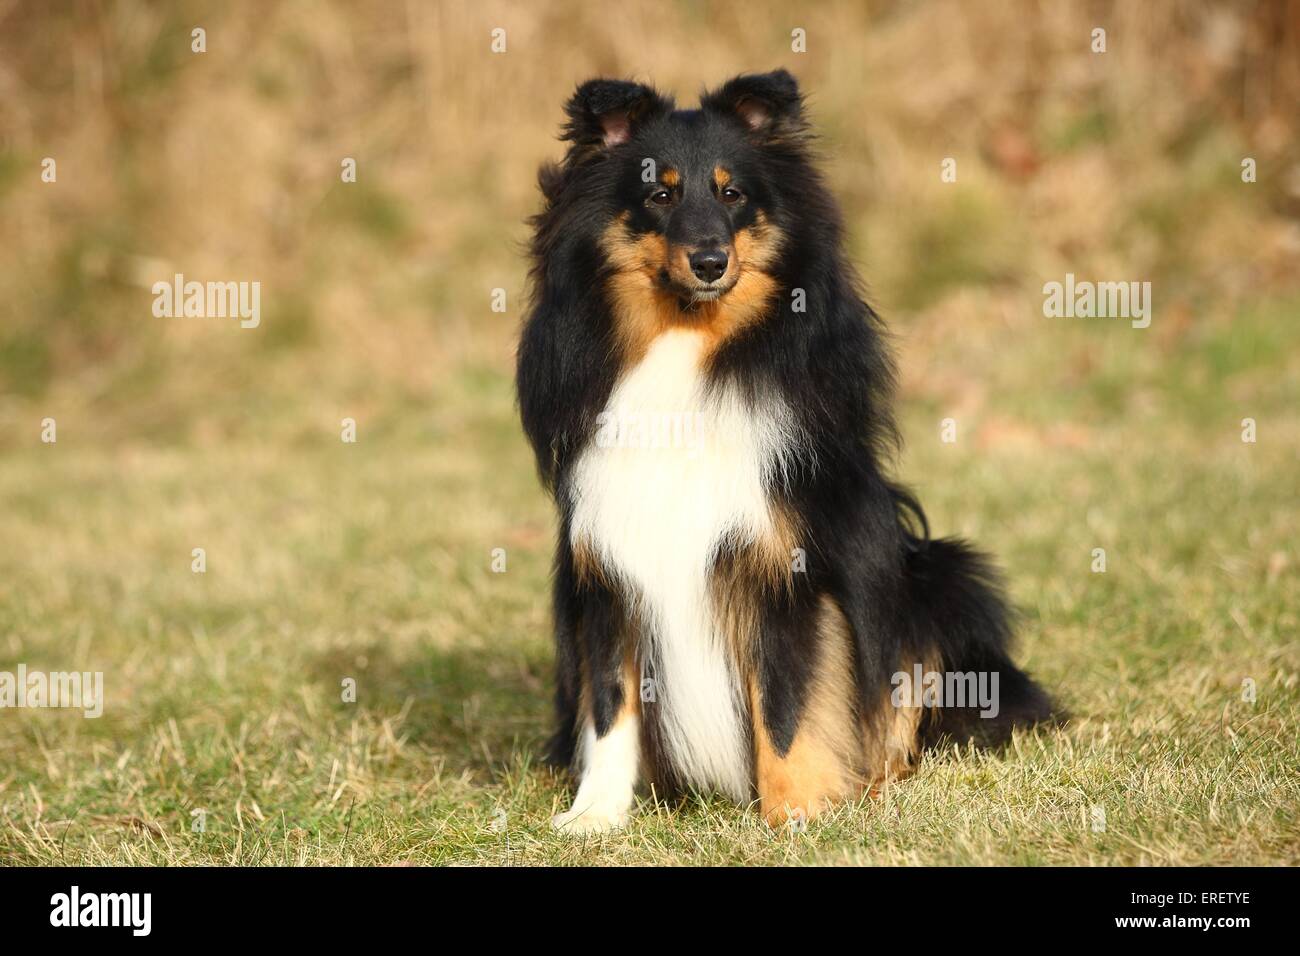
x: 693, y: 198
x: 693, y: 202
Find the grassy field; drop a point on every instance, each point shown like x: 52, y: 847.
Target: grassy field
x: 371, y: 560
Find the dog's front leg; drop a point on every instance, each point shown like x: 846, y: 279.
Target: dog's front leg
x: 807, y: 744
x: 609, y: 748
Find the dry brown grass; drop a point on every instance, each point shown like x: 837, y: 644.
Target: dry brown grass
x: 226, y: 164
x: 371, y: 560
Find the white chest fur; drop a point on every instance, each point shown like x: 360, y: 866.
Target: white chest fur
x: 673, y: 471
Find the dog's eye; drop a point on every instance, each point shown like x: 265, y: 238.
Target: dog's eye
x: 662, y: 198
x: 731, y: 195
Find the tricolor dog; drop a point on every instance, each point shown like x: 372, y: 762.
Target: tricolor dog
x: 738, y: 582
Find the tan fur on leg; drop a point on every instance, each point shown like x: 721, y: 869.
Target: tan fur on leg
x: 822, y: 765
x: 891, y: 736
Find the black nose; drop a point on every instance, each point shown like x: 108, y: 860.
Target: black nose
x: 709, y: 265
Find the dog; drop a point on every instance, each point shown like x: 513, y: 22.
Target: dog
x: 743, y: 600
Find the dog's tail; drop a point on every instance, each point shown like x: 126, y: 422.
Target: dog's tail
x: 960, y: 626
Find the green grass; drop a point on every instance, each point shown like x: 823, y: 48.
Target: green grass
x: 372, y: 561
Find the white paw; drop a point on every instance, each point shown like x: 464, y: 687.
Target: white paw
x: 591, y: 818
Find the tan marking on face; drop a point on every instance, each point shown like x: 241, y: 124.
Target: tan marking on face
x: 679, y: 265
x: 721, y: 178
x: 758, y: 245
x: 670, y: 178
x: 644, y: 308
x: 633, y: 286
x: 823, y: 764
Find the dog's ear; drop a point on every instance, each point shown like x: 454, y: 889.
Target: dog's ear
x: 606, y: 113
x: 769, y: 104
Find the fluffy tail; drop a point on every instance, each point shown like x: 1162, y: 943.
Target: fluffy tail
x: 961, y: 621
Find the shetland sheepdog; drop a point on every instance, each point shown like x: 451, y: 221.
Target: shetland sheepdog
x: 743, y: 600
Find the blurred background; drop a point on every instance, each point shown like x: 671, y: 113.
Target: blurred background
x: 225, y: 165
x: 372, y: 561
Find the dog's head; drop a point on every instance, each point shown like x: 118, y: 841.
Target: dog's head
x: 693, y: 198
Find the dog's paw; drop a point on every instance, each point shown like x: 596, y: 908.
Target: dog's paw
x: 590, y: 819
x: 793, y: 818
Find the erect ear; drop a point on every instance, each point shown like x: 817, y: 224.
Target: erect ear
x: 605, y: 113
x: 769, y: 104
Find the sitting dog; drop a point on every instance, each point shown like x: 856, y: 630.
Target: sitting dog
x: 743, y: 600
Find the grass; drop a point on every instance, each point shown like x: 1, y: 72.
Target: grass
x: 371, y: 561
